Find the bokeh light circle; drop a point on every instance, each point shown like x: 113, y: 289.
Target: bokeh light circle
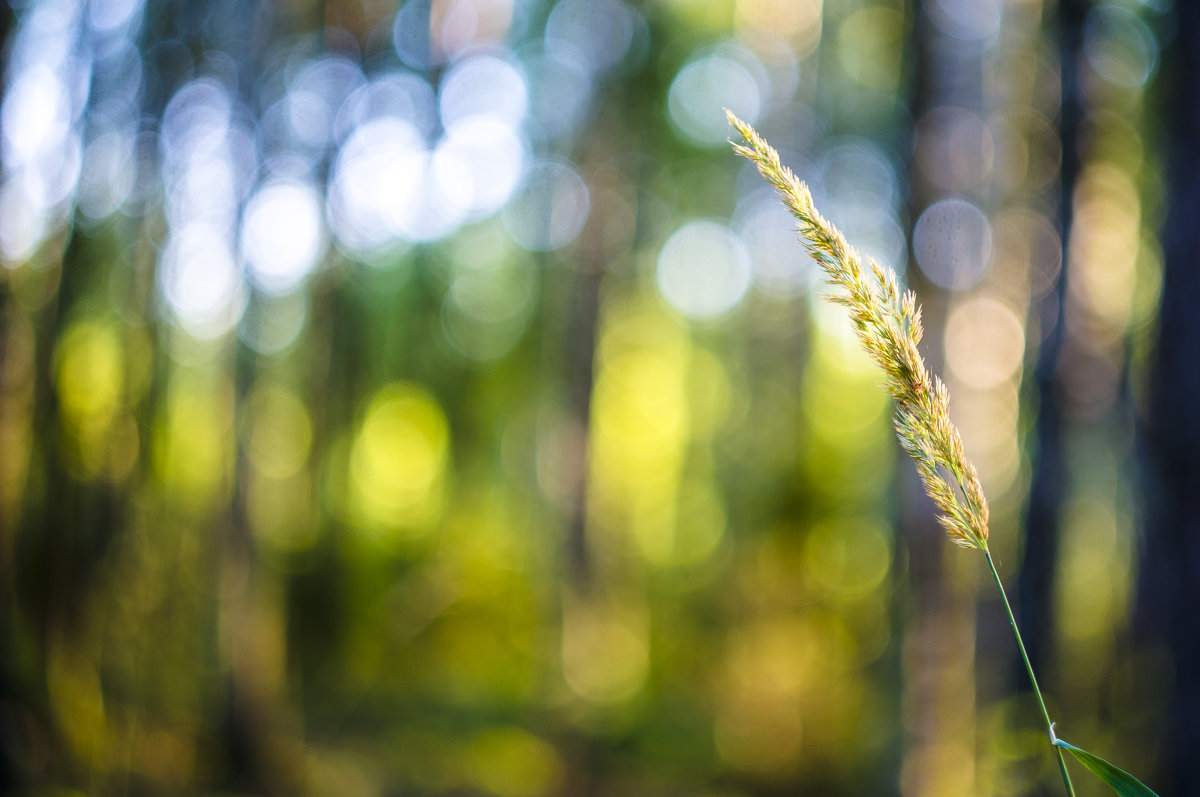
x: 399, y: 94
x: 487, y: 310
x: 283, y: 234
x: 108, y: 173
x: 560, y: 93
x: 483, y: 85
x: 375, y: 187
x: 112, y: 15
x: 314, y: 96
x: 479, y: 164
x: 856, y: 172
x: 201, y: 282
x: 954, y: 148
x: 551, y: 209
x: 703, y: 270
x: 984, y: 341
x: 781, y: 268
x: 1119, y: 46
x: 705, y: 86
x: 22, y: 223
x: 35, y: 115
x: 597, y: 33
x: 952, y: 242
x: 410, y: 35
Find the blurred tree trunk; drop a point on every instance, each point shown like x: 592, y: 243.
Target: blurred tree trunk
x: 938, y: 701
x: 1035, y: 584
x: 1169, y: 584
x: 583, y: 585
x: 581, y: 356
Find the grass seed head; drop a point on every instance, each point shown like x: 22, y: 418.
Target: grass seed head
x: 888, y: 325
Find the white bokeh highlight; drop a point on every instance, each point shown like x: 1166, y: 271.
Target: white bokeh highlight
x: 283, y: 235
x: 703, y: 270
x: 706, y: 86
x: 201, y: 282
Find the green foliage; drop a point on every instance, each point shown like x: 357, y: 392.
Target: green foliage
x: 1121, y: 781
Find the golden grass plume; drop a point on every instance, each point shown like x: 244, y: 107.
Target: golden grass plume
x: 888, y: 323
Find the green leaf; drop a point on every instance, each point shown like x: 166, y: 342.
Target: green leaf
x: 1121, y: 781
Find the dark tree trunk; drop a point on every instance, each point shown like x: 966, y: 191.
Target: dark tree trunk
x: 1035, y: 585
x: 1169, y: 581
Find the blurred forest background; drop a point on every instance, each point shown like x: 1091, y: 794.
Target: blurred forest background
x: 420, y: 398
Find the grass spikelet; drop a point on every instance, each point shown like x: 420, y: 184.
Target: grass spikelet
x: 888, y: 324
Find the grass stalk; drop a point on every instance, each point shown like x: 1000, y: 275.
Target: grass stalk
x: 888, y: 325
x: 1012, y: 622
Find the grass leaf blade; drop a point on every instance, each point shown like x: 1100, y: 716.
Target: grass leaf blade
x: 1121, y: 781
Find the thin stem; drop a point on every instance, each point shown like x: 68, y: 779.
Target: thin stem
x: 1012, y: 621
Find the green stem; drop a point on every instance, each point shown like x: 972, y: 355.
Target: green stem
x: 1012, y: 621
